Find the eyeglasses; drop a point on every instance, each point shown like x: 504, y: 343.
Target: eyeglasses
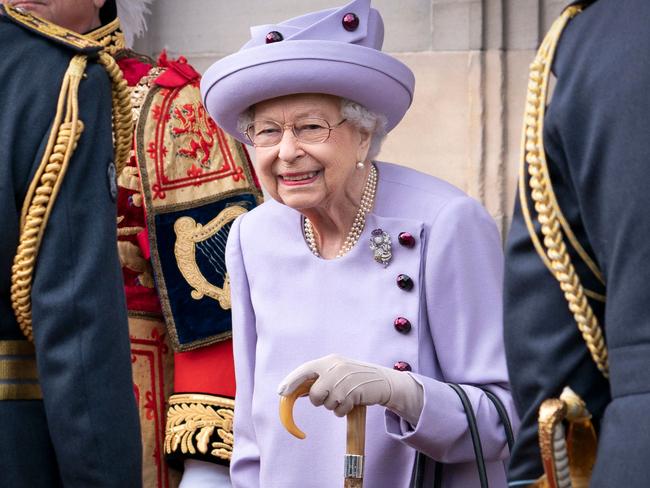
x: 310, y: 130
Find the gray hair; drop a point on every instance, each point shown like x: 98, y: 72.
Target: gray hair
x: 355, y: 113
x: 366, y: 121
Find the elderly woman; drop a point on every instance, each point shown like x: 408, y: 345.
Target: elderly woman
x: 380, y: 282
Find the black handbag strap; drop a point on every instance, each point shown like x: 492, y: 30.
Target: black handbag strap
x: 417, y: 478
x: 473, y: 430
x: 503, y: 415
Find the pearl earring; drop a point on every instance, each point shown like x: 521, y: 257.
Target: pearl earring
x: 361, y: 165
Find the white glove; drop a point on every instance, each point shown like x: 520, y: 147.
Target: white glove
x: 202, y: 474
x: 343, y: 383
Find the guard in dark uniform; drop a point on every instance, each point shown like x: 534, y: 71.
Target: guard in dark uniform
x: 577, y: 301
x: 67, y: 408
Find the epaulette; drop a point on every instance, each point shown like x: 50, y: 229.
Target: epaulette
x: 55, y: 33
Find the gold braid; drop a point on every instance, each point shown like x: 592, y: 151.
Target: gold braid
x: 548, y: 211
x: 122, y: 119
x: 43, y: 190
x: 110, y: 37
x: 65, y: 133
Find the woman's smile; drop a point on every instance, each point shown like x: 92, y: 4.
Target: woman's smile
x: 296, y: 179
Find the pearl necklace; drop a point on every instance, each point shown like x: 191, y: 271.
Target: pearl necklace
x: 367, y: 202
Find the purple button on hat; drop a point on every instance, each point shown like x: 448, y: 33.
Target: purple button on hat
x: 273, y: 36
x: 350, y: 21
x: 335, y: 51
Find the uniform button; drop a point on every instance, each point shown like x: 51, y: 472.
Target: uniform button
x: 273, y: 36
x: 402, y: 325
x: 402, y: 366
x: 350, y: 22
x: 405, y: 282
x: 406, y: 239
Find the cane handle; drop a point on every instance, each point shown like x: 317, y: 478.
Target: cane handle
x: 286, y: 408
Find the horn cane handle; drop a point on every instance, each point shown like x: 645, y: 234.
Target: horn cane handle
x: 356, y: 433
x: 286, y: 408
x: 356, y: 441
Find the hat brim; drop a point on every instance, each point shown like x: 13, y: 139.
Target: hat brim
x: 369, y: 77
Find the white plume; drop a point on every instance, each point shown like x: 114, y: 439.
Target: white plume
x: 132, y: 18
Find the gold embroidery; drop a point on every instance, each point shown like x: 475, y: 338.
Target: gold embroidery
x: 129, y: 178
x: 188, y: 233
x: 128, y: 231
x: 139, y: 92
x: 131, y: 257
x: 178, y: 183
x: 201, y: 415
x: 50, y: 30
x: 110, y: 37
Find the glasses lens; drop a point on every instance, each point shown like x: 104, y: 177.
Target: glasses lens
x: 311, y: 130
x: 264, y: 132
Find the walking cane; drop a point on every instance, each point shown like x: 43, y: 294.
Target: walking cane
x: 356, y: 434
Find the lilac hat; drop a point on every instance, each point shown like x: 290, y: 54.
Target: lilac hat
x: 334, y: 51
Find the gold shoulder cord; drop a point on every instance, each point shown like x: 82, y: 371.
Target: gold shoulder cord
x: 552, y: 221
x: 44, y: 188
x: 122, y: 120
x: 111, y: 39
x: 43, y: 191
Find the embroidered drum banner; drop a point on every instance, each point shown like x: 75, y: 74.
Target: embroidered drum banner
x: 196, y: 180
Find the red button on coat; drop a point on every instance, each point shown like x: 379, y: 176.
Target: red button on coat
x: 406, y: 239
x: 402, y: 366
x: 402, y: 325
x: 405, y: 282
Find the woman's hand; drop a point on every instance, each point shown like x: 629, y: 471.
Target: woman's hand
x: 343, y: 383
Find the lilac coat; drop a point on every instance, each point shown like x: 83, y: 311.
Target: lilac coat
x: 290, y: 307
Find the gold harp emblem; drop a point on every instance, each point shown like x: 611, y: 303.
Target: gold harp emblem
x: 189, y: 236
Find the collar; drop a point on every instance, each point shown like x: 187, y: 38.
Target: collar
x: 110, y: 36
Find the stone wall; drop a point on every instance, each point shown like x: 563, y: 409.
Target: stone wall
x: 470, y: 59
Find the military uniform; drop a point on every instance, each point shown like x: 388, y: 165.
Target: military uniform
x: 67, y: 411
x: 183, y: 185
x: 595, y: 132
